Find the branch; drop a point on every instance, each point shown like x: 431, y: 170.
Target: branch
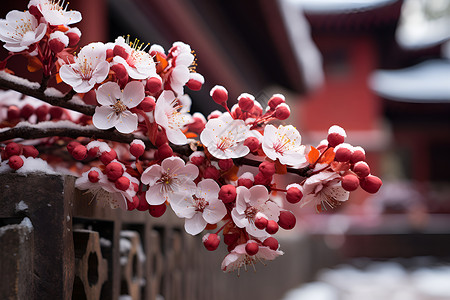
x: 51, y: 96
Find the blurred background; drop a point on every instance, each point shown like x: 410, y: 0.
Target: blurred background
x: 379, y: 69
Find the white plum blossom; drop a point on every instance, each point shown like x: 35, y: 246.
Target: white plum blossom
x: 20, y: 30
x: 169, y: 180
x: 168, y: 114
x: 139, y: 64
x: 90, y: 67
x: 179, y: 75
x: 224, y: 137
x: 238, y: 257
x: 105, y: 191
x: 250, y: 204
x: 55, y: 13
x: 115, y: 104
x: 200, y: 208
x: 284, y: 143
x: 324, y: 189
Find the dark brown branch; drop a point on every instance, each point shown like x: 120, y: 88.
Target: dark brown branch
x: 8, y: 81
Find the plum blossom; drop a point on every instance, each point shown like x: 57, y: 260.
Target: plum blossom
x: 139, y: 64
x: 224, y: 137
x: 20, y: 30
x: 284, y: 143
x: 115, y: 104
x: 238, y: 257
x: 90, y: 67
x: 250, y: 204
x: 324, y: 189
x: 179, y: 74
x: 200, y: 208
x: 169, y: 180
x: 55, y: 13
x: 105, y: 191
x: 169, y: 115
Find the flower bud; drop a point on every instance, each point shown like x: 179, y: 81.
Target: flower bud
x: 15, y: 162
x: 120, y: 51
x: 157, y: 210
x: 197, y: 158
x: 122, y: 183
x: 219, y: 95
x: 252, y: 143
x: 56, y: 112
x: 26, y: 111
x: 120, y: 71
x: 349, y: 182
x: 246, y: 180
x: 226, y: 164
x: 153, y: 84
x: 262, y: 179
x: 211, y: 172
x: 93, y: 176
x: 114, y: 170
x: 286, y: 220
x: 211, y: 241
x: 164, y: 151
x: 361, y: 168
x: 137, y: 148
x: 108, y: 156
x: 58, y: 41
x: 143, y: 204
x: 161, y: 138
x: 13, y: 149
x: 132, y: 205
x: 267, y: 168
x: 79, y: 152
x: 30, y: 151
x: 294, y: 193
x: 271, y: 242
x: 227, y: 193
x: 13, y: 113
x: 276, y: 100
x: 358, y: 154
x: 246, y: 101
x: 198, y: 123
x: 195, y: 81
x: 343, y: 152
x: 251, y: 248
x: 230, y: 238
x: 282, y: 111
x: 336, y: 135
x: 70, y: 146
x: 272, y: 227
x: 74, y: 35
x: 42, y: 112
x: 148, y: 104
x: 261, y: 222
x: 370, y: 184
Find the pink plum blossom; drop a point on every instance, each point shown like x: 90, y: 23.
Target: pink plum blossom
x: 20, y: 30
x: 139, y: 64
x: 169, y: 180
x: 105, y: 191
x: 324, y: 189
x: 115, y: 104
x: 284, y: 143
x: 200, y: 208
x: 238, y: 257
x: 169, y: 115
x: 224, y: 137
x: 55, y: 13
x: 181, y: 62
x: 251, y: 204
x: 90, y: 67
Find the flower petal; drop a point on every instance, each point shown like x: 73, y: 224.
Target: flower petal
x: 195, y: 225
x: 108, y: 93
x: 104, y: 117
x: 127, y: 122
x: 133, y: 94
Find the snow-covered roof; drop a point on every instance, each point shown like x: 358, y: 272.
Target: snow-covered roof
x: 339, y: 6
x: 427, y: 82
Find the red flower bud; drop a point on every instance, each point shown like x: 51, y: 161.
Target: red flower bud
x: 122, y: 183
x: 350, y: 182
x: 157, y: 210
x: 15, y: 162
x: 114, y: 170
x: 286, y: 220
x: 211, y: 241
x: 227, y: 193
x: 271, y: 242
x: 251, y: 248
x: 219, y: 95
x: 371, y: 184
x: 272, y: 227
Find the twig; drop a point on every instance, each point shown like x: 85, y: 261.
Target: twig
x: 8, y: 81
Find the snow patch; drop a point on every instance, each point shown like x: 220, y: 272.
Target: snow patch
x: 21, y: 206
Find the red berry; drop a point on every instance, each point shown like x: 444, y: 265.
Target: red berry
x: 15, y: 162
x: 361, y: 168
x: 336, y: 135
x: 271, y: 242
x: 41, y: 112
x: 251, y: 248
x: 157, y: 210
x: 211, y: 241
x: 343, y: 154
x: 227, y: 193
x: 358, y: 155
x: 30, y: 151
x: 93, y: 176
x: 294, y: 195
x: 350, y: 182
x: 261, y: 222
x: 13, y: 149
x: 286, y: 220
x: 272, y: 227
x: 26, y: 111
x: 13, y: 113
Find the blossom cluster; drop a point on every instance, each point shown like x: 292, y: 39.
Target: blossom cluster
x: 220, y: 172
